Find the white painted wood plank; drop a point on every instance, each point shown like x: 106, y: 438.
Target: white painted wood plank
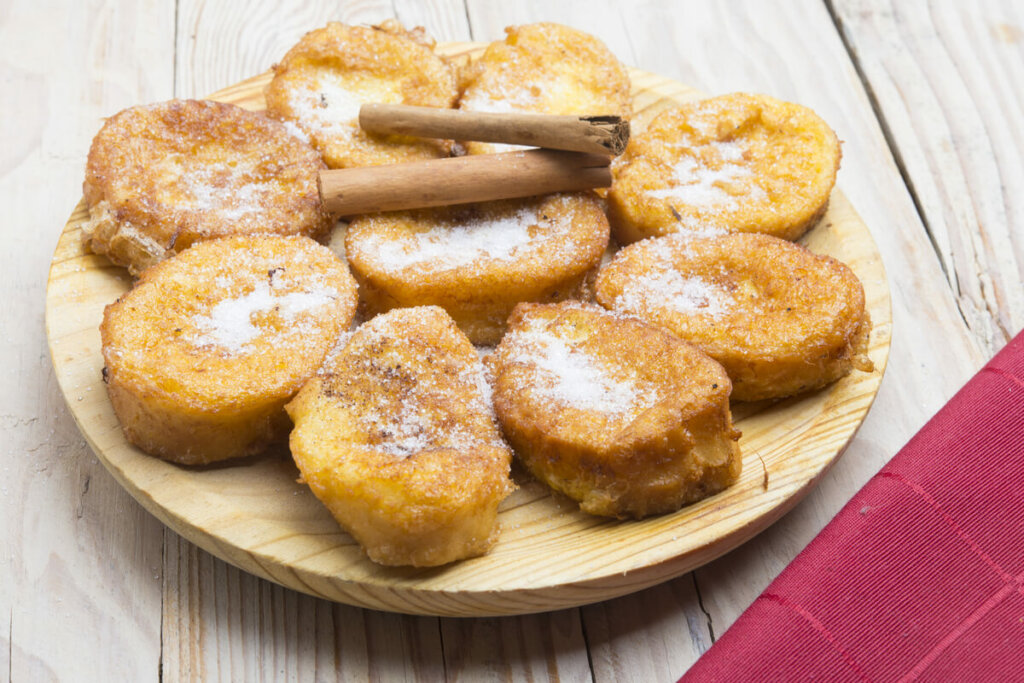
x: 221, y: 624
x: 221, y: 43
x: 537, y: 647
x: 80, y: 596
x: 653, y: 635
x: 948, y: 78
x: 605, y: 20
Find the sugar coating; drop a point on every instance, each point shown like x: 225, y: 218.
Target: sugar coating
x: 206, y: 184
x: 331, y: 107
x: 407, y: 415
x: 670, y: 289
x: 723, y: 182
x: 230, y: 322
x: 452, y: 244
x: 570, y: 376
x: 504, y: 98
x: 661, y: 285
x: 505, y: 95
x: 273, y: 300
x: 414, y: 428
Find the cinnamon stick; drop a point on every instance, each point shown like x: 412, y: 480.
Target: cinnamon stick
x: 460, y: 180
x: 591, y: 134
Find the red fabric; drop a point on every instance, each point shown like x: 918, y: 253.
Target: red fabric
x: 921, y: 575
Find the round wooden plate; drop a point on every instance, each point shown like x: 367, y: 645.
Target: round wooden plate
x: 550, y: 555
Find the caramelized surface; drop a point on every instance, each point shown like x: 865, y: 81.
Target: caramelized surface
x: 622, y: 417
x: 321, y: 82
x: 779, y: 318
x: 548, y: 69
x: 162, y: 177
x: 478, y: 261
x: 735, y: 163
x: 203, y: 353
x: 398, y: 440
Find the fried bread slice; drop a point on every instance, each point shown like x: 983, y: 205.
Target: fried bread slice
x: 478, y: 261
x: 164, y: 176
x: 322, y: 81
x: 621, y: 416
x: 780, y: 319
x: 398, y: 439
x: 548, y: 69
x: 734, y: 163
x: 203, y: 353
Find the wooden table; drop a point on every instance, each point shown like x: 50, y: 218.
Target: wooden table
x: 928, y: 98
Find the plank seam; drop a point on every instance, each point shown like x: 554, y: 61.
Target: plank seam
x: 700, y: 604
x: 629, y: 36
x: 163, y: 599
x: 890, y: 142
x: 469, y: 22
x: 444, y: 651
x: 164, y: 535
x: 174, y: 60
x: 586, y: 643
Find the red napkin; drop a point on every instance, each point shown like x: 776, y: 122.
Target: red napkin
x: 921, y: 575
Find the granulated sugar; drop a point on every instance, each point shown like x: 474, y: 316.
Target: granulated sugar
x: 408, y: 410
x: 668, y: 288
x: 450, y: 245
x: 410, y: 431
x: 332, y: 108
x: 404, y: 433
x: 224, y: 189
x: 294, y: 129
x: 696, y: 227
x: 571, y: 377
x: 696, y: 183
x: 508, y: 101
x: 230, y: 325
x: 500, y: 92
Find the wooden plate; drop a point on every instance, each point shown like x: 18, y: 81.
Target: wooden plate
x: 550, y: 556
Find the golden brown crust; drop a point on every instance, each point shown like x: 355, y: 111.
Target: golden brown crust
x: 618, y: 415
x: 322, y: 80
x: 780, y: 319
x: 162, y: 177
x: 202, y: 354
x: 549, y: 69
x: 478, y: 261
x: 399, y: 441
x: 734, y: 163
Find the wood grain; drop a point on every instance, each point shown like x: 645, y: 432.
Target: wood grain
x: 79, y: 559
x: 550, y: 555
x: 948, y: 81
x: 231, y: 625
